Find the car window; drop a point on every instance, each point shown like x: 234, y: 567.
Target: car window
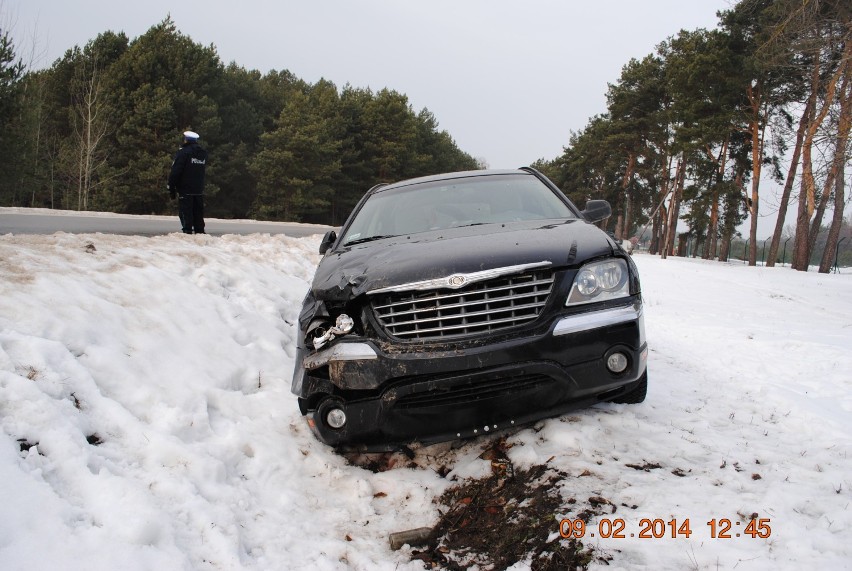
x: 457, y: 202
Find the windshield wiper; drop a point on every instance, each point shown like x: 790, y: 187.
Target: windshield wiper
x: 368, y: 239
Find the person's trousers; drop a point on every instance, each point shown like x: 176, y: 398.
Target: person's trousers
x: 191, y: 212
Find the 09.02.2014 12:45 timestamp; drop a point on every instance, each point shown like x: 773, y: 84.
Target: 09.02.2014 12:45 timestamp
x: 658, y: 528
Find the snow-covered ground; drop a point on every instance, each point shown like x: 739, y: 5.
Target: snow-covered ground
x: 146, y: 420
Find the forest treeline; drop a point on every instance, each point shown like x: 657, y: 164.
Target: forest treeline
x: 99, y: 128
x: 691, y: 129
x: 689, y: 133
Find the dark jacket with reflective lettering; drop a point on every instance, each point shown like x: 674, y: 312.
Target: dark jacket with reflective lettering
x: 187, y: 176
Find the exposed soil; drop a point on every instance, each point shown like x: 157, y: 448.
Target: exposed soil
x: 510, y: 516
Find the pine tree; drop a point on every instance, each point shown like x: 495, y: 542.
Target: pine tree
x: 11, y: 72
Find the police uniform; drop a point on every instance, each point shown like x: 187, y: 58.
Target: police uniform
x: 186, y: 180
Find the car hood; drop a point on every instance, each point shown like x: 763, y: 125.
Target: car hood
x: 351, y: 271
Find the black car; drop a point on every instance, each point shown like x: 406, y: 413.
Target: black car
x: 462, y: 304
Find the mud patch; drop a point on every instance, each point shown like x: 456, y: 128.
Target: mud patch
x: 510, y: 516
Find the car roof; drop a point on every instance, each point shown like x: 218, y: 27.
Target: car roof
x: 448, y: 176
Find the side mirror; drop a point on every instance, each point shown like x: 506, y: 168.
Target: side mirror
x: 328, y: 240
x: 597, y: 210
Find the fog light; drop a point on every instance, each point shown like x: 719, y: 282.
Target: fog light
x: 336, y: 418
x: 617, y: 362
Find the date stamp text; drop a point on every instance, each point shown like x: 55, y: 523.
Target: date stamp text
x: 658, y: 528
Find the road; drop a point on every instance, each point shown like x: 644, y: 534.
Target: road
x: 44, y: 221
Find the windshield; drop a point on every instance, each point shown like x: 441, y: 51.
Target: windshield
x: 452, y: 203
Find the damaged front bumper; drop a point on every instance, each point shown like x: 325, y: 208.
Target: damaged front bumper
x: 393, y: 393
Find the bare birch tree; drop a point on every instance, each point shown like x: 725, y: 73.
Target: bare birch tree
x: 90, y: 127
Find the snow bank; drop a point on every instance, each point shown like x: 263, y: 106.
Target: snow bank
x: 146, y: 420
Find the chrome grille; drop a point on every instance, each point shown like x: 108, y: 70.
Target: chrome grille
x: 484, y: 307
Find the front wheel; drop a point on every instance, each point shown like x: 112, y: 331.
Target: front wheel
x: 636, y: 394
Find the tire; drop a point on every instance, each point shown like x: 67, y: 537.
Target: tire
x: 636, y: 394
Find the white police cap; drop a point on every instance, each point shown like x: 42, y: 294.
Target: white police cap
x: 191, y: 135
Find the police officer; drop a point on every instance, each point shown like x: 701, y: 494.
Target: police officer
x: 186, y: 181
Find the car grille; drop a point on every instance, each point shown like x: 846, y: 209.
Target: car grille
x: 484, y: 307
x: 473, y: 392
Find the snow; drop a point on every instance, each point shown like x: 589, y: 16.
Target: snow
x: 146, y: 420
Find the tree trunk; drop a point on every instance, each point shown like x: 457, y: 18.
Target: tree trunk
x: 799, y: 260
x: 654, y: 219
x: 660, y: 225
x: 652, y: 246
x: 844, y: 124
x: 38, y: 122
x: 836, y: 224
x: 788, y: 186
x: 731, y: 212
x: 682, y: 245
x: 663, y: 224
x: 842, y: 138
x: 89, y: 109
x: 757, y: 131
x: 674, y: 210
x: 802, y: 249
x: 711, y: 243
x: 625, y: 183
x: 724, y: 251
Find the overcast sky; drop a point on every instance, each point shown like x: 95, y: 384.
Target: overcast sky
x: 509, y: 80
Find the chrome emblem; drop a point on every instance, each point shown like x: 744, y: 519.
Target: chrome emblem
x: 459, y: 280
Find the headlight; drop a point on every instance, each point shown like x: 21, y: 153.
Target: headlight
x: 600, y: 281
x: 342, y: 326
